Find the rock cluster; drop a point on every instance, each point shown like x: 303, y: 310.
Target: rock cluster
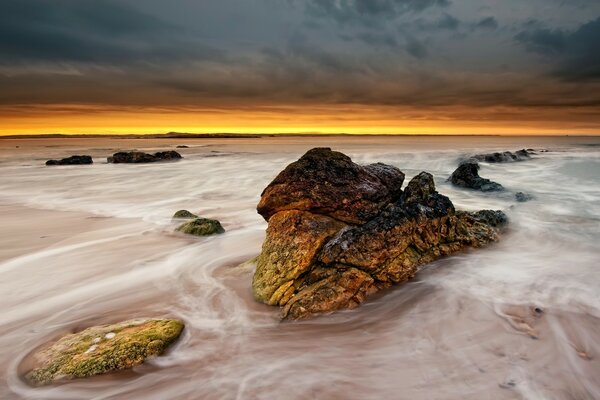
x: 467, y: 176
x: 136, y: 157
x: 339, y: 232
x: 102, y: 349
x: 505, y: 156
x: 73, y: 160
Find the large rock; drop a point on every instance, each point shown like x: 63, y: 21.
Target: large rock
x: 102, y: 349
x: 73, y: 160
x: 467, y: 176
x: 136, y: 157
x: 328, y: 182
x: 506, y: 156
x: 313, y: 261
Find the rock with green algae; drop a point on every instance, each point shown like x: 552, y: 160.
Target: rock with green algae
x: 102, y: 349
x: 201, y: 227
x: 331, y: 245
x: 184, y: 214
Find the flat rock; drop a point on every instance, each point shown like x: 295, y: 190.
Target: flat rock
x: 102, y: 349
x: 73, y: 160
x: 505, y: 156
x: 138, y: 157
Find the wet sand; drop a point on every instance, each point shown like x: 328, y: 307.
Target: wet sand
x: 516, y: 321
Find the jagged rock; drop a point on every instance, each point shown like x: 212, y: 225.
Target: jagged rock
x: 522, y: 197
x: 184, y: 214
x: 102, y: 349
x: 328, y: 182
x: 201, y: 227
x: 73, y: 160
x: 136, y: 157
x: 506, y: 156
x: 467, y: 176
x: 313, y: 262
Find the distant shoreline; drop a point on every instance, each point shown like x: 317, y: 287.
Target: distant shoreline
x: 182, y: 135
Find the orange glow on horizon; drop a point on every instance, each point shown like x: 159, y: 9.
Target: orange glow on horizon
x: 329, y: 119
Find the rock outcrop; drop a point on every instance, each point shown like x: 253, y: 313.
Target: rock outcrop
x: 73, y: 160
x: 136, y: 157
x: 339, y: 232
x: 201, y: 227
x: 102, y: 349
x: 467, y: 176
x: 506, y: 156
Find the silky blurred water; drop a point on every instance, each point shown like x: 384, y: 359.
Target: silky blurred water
x: 453, y: 332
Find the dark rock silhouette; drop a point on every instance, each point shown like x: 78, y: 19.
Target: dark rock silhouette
x: 137, y: 157
x: 506, y: 156
x: 73, y: 160
x: 467, y: 176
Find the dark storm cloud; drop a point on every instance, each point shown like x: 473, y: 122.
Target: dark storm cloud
x: 575, y: 53
x: 486, y: 23
x: 368, y: 11
x: 102, y: 32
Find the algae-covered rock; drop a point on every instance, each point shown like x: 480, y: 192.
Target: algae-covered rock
x: 201, y: 227
x: 321, y: 255
x: 102, y: 349
x: 184, y: 214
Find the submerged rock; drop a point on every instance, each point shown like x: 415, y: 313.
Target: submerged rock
x: 201, y: 227
x: 184, y: 214
x: 467, y: 176
x: 506, y: 156
x: 522, y: 197
x: 136, y: 157
x: 313, y: 261
x: 102, y: 349
x: 73, y: 160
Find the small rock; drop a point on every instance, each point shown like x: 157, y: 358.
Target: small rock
x: 78, y: 356
x: 137, y: 157
x: 202, y: 227
x: 184, y: 214
x: 182, y: 146
x: 73, y: 160
x: 467, y: 176
x: 522, y: 197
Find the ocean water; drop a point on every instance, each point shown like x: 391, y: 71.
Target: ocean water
x: 519, y: 319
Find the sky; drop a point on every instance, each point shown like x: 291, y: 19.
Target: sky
x: 282, y: 66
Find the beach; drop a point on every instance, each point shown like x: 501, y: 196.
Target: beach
x: 93, y: 244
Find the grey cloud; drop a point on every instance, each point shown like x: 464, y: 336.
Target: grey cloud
x: 86, y: 31
x: 489, y: 23
x: 576, y: 54
x: 368, y: 11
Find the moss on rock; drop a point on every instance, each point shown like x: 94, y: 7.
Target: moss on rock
x: 102, y: 349
x: 184, y: 214
x: 201, y: 227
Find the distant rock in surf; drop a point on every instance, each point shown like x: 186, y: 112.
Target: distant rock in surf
x: 522, y: 197
x: 467, y: 176
x: 184, y: 214
x: 136, y: 157
x: 102, y: 349
x: 201, y: 227
x: 506, y: 156
x: 182, y: 146
x: 339, y: 232
x: 73, y: 160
